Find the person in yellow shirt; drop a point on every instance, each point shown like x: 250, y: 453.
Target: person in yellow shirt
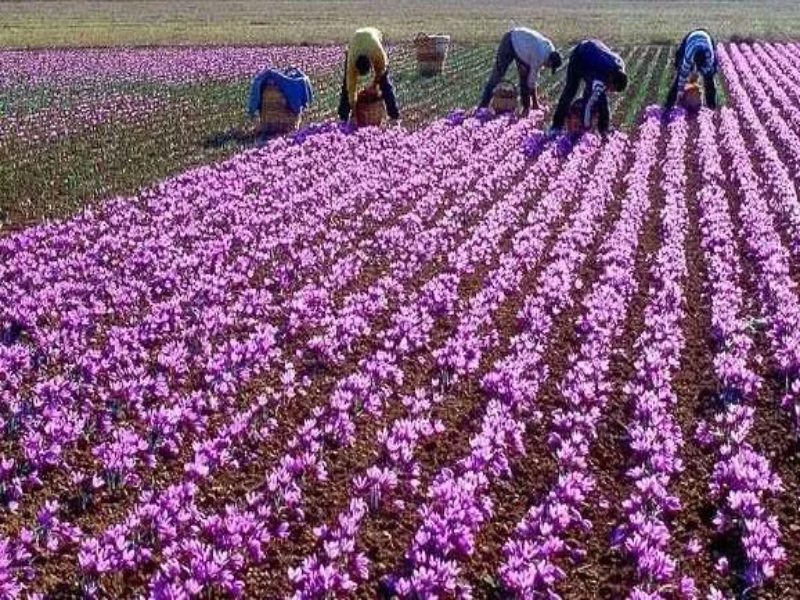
x: 365, y: 53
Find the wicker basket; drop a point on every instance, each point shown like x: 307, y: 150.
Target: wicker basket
x: 692, y: 98
x: 276, y: 116
x: 369, y: 110
x: 574, y: 123
x: 431, y: 53
x: 504, y: 99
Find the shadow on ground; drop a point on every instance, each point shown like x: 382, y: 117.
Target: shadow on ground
x: 238, y: 137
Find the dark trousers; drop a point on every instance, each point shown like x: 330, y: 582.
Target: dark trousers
x: 575, y: 75
x: 708, y: 80
x: 387, y: 91
x: 505, y: 56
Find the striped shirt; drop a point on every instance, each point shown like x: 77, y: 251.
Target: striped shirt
x: 697, y: 42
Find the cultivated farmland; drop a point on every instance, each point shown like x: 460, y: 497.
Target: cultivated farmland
x: 446, y: 359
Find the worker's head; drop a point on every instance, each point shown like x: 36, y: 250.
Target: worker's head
x: 554, y: 61
x: 700, y: 60
x: 618, y: 81
x: 363, y: 65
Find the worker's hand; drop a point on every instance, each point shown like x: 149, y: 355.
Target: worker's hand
x: 553, y: 132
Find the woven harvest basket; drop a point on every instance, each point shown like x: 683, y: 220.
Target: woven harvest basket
x: 574, y: 123
x: 369, y: 110
x: 431, y: 53
x: 504, y: 99
x: 276, y: 116
x: 692, y: 98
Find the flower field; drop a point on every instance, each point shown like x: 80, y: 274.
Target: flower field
x: 453, y: 359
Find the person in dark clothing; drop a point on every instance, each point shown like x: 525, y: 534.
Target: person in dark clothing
x: 531, y: 51
x: 365, y: 53
x: 601, y: 71
x: 696, y: 53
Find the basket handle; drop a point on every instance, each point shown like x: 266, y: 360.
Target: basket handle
x: 507, y: 84
x: 369, y: 95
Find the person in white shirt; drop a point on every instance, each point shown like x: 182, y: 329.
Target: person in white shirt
x: 531, y: 51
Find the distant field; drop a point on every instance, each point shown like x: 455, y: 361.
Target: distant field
x: 57, y: 23
x: 458, y: 359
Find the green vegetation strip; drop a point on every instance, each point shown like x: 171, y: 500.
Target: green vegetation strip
x: 40, y: 23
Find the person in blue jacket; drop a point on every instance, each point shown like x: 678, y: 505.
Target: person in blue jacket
x: 695, y: 54
x: 602, y: 71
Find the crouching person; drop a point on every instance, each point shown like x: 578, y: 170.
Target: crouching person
x: 365, y: 53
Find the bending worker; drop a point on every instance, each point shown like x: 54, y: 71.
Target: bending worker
x: 531, y: 51
x: 695, y: 54
x: 365, y: 53
x: 602, y: 71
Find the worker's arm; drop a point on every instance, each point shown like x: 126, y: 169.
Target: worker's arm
x: 598, y: 94
x: 535, y: 99
x: 680, y: 59
x: 713, y: 50
x: 389, y: 98
x: 683, y: 74
x: 380, y: 63
x: 603, y: 115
